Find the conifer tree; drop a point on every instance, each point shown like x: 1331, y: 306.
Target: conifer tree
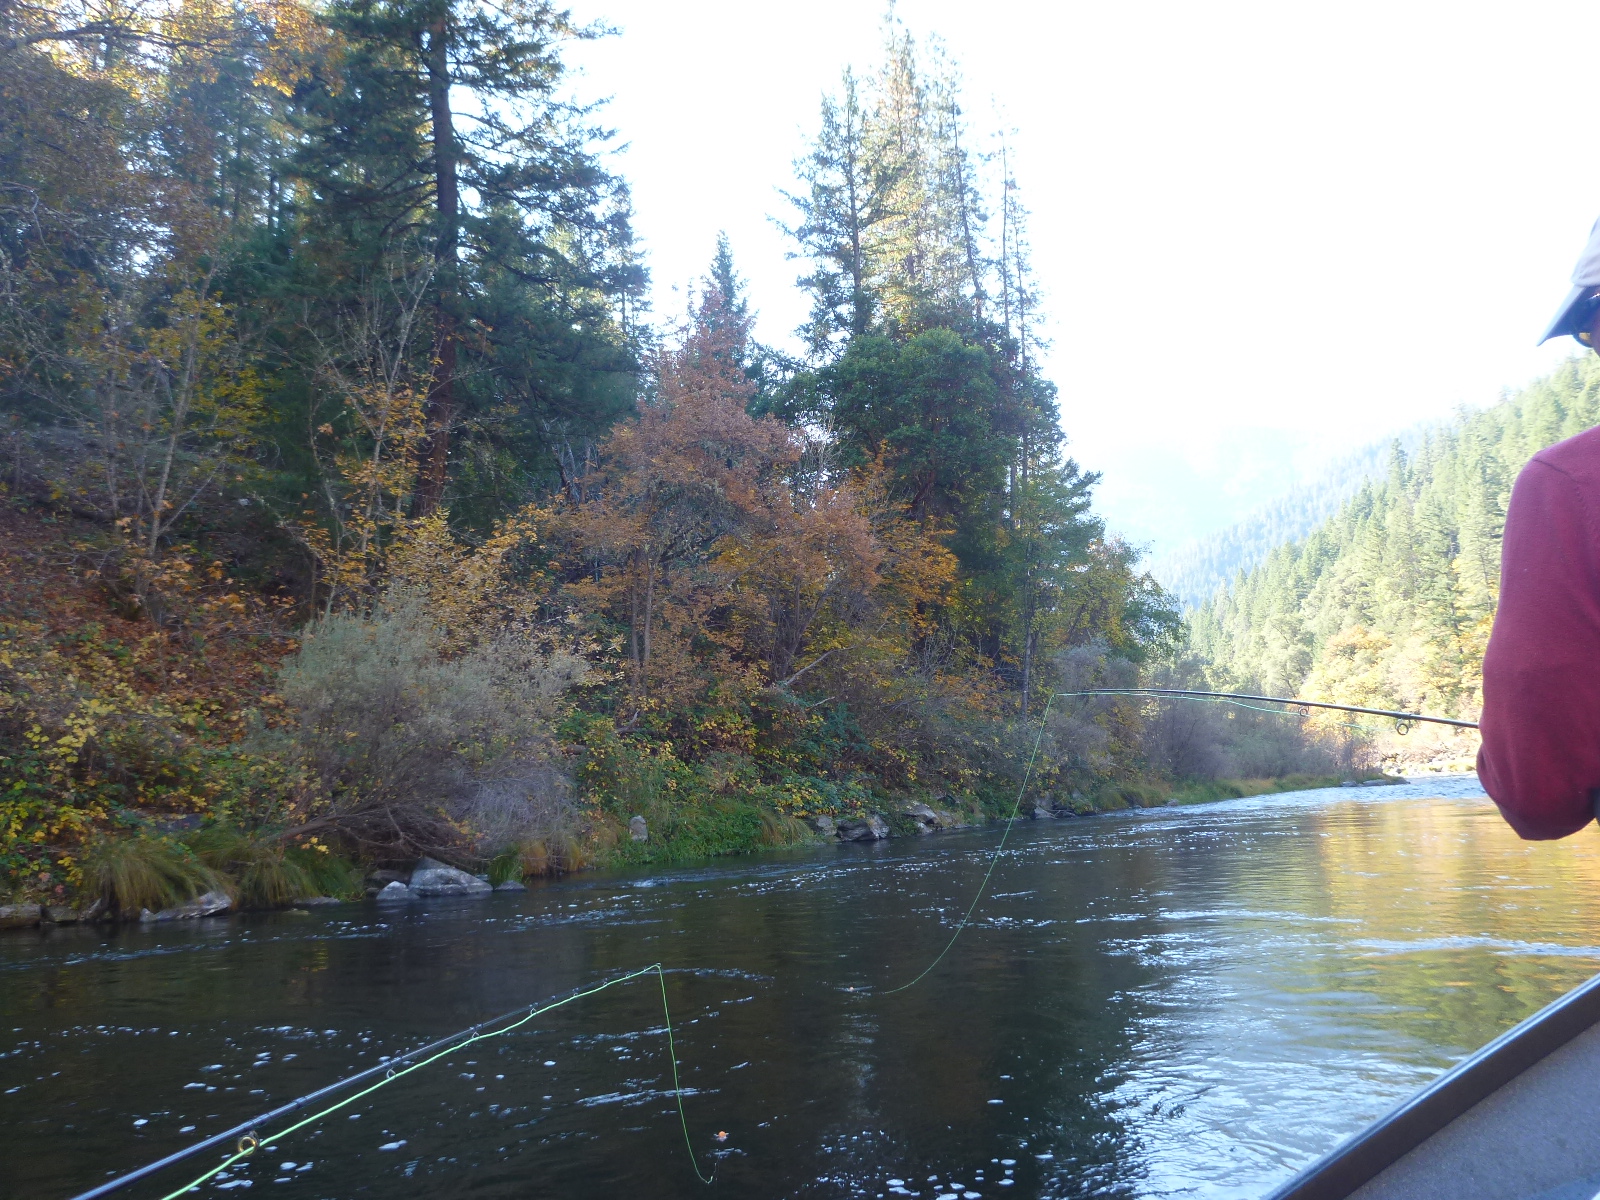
x: 446, y: 122
x: 848, y: 194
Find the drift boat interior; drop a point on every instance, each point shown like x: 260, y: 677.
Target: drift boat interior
x: 1518, y: 1120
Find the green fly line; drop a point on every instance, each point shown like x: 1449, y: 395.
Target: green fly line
x: 1402, y: 721
x: 251, y: 1142
x: 994, y: 859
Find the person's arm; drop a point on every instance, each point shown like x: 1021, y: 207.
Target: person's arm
x: 1541, y: 675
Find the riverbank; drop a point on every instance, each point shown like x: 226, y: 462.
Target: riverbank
x: 150, y: 768
x: 216, y: 894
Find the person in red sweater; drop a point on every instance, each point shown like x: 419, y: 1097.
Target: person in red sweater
x: 1540, y: 760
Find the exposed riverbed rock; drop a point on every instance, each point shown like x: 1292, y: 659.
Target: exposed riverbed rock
x: 210, y: 904
x: 511, y: 885
x: 433, y: 878
x: 870, y: 828
x: 638, y: 830
x: 1040, y: 812
x: 392, y: 891
x: 61, y: 914
x: 19, y: 916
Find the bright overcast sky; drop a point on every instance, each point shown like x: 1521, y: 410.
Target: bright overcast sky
x: 1267, y: 232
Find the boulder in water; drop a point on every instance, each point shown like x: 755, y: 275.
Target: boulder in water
x: 394, y: 890
x: 822, y: 824
x: 210, y: 904
x: 433, y: 878
x: 511, y: 885
x: 870, y: 828
x: 19, y: 916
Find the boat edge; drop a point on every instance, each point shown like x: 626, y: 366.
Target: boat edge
x: 1364, y: 1156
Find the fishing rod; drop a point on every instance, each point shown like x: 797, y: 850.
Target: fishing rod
x: 250, y: 1140
x: 1403, y: 720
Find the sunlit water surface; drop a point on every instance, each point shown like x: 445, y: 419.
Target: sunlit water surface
x: 1192, y: 1002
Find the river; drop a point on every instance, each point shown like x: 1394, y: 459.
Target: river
x: 1186, y: 1002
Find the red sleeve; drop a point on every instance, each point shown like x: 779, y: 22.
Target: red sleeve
x: 1541, y: 675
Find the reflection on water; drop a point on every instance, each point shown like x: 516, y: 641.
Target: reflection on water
x: 1192, y: 1002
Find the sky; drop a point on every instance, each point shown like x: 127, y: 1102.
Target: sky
x: 1266, y: 233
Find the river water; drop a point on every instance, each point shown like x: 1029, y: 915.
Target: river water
x: 1189, y: 1002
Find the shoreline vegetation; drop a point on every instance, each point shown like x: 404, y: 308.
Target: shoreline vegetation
x: 169, y: 732
x: 207, y: 874
x: 355, y: 510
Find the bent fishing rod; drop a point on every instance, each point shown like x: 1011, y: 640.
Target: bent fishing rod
x: 1403, y: 720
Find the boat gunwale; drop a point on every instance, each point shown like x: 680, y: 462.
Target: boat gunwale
x: 1363, y: 1157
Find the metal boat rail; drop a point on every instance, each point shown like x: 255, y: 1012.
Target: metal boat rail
x: 1387, y: 1140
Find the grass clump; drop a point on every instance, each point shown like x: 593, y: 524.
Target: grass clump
x: 131, y: 874
x: 506, y: 867
x: 782, y: 829
x: 262, y: 874
x: 330, y: 875
x: 266, y: 872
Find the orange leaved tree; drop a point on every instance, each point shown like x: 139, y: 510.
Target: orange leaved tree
x: 717, y: 574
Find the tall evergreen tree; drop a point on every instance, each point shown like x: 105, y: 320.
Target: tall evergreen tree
x: 445, y: 123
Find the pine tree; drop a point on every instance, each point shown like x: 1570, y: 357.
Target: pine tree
x: 446, y: 123
x: 848, y: 194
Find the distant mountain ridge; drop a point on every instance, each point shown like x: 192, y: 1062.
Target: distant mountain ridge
x: 1389, y: 602
x: 1200, y: 568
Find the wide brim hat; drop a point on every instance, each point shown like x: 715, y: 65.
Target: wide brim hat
x: 1578, y: 309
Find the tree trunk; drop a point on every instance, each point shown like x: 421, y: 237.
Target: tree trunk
x: 440, y: 409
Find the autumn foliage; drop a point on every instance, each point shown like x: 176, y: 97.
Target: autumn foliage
x: 358, y: 511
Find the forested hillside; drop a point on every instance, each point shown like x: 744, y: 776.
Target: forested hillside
x: 1196, y: 571
x: 1390, y: 602
x: 357, y: 510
